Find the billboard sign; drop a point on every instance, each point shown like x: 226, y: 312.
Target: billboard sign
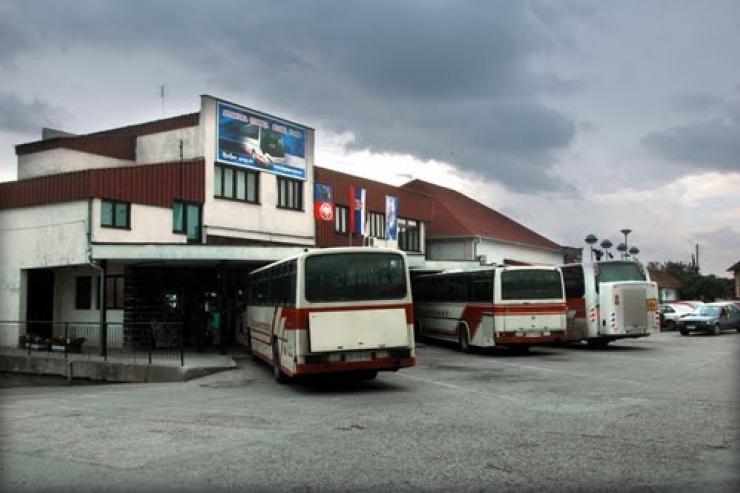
x: 251, y: 140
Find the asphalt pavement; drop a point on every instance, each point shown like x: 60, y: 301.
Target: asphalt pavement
x: 658, y: 414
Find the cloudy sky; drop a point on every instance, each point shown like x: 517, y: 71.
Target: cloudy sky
x: 572, y: 117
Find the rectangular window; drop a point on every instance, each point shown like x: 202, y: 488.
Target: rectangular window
x: 376, y: 224
x: 186, y: 219
x: 531, y: 284
x: 290, y: 194
x: 236, y: 184
x: 341, y: 216
x: 115, y: 214
x: 408, y: 235
x: 83, y: 293
x: 114, y: 292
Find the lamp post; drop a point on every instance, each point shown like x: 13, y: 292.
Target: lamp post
x: 591, y: 239
x: 606, y: 244
x: 625, y: 232
x: 634, y: 251
x: 622, y: 249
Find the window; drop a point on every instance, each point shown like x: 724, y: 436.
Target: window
x: 341, y: 217
x: 114, y: 292
x: 290, y: 193
x: 83, y: 293
x: 186, y: 219
x: 573, y: 280
x: 354, y: 277
x: 115, y: 214
x: 236, y: 184
x: 530, y: 284
x: 409, y: 235
x: 274, y: 286
x: 376, y: 224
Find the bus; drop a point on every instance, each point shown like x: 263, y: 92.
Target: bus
x: 609, y: 300
x: 514, y: 307
x: 332, y: 310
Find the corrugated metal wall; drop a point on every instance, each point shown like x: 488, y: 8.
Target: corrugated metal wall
x: 411, y: 205
x: 151, y: 184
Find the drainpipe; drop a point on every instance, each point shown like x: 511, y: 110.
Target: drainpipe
x: 102, y: 298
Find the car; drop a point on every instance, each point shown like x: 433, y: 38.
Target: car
x: 711, y: 318
x: 670, y: 314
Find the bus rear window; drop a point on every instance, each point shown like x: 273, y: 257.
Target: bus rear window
x: 531, y: 285
x: 620, y: 271
x: 355, y: 277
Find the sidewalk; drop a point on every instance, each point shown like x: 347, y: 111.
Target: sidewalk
x: 119, y: 367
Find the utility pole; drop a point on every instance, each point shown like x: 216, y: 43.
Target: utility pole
x: 697, y: 258
x: 161, y: 95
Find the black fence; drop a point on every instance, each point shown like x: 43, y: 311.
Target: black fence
x: 140, y: 341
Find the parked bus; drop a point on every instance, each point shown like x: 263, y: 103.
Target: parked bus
x: 516, y: 307
x: 332, y: 310
x: 609, y: 300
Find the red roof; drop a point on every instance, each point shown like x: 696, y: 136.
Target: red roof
x: 116, y: 142
x: 456, y: 215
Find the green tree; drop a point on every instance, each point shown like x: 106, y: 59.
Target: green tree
x: 694, y: 285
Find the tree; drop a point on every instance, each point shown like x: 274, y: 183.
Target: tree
x: 695, y: 286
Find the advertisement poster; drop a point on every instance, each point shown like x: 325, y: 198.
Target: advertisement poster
x: 323, y: 204
x: 358, y: 204
x: 254, y: 141
x: 391, y: 214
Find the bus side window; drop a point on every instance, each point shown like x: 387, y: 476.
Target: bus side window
x: 573, y: 280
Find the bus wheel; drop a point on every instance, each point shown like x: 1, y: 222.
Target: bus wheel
x: 520, y: 348
x: 598, y: 343
x: 277, y: 373
x: 463, y: 344
x: 366, y: 375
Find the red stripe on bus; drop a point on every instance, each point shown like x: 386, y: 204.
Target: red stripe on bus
x: 518, y: 340
x: 578, y: 304
x: 339, y: 366
x: 297, y: 318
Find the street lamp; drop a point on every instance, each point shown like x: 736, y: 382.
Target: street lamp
x: 622, y: 248
x: 606, y: 245
x: 634, y: 251
x: 625, y: 232
x: 591, y: 239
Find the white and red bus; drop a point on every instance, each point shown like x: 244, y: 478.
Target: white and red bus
x: 516, y: 307
x: 609, y: 300
x: 332, y: 310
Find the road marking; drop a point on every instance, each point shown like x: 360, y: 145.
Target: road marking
x: 458, y: 387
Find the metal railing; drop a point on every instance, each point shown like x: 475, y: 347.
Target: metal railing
x: 137, y: 341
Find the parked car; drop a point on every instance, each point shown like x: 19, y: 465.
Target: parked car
x: 711, y: 318
x: 670, y: 314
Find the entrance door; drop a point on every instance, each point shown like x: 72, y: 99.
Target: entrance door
x: 40, y: 302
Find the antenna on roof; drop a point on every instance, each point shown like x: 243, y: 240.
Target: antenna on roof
x: 161, y: 95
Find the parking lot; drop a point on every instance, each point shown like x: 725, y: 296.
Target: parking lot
x: 656, y: 413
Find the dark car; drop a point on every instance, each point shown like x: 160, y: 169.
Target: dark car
x: 712, y: 318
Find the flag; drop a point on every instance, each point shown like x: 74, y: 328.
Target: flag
x: 323, y: 203
x: 357, y: 201
x: 391, y: 218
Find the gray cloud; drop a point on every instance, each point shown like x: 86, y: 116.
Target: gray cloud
x: 25, y: 117
x: 710, y: 144
x: 444, y: 80
x: 697, y: 102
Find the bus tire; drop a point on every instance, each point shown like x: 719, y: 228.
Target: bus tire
x: 366, y: 375
x: 277, y: 372
x: 598, y: 343
x: 463, y: 343
x: 519, y: 348
x: 417, y: 330
x: 716, y: 329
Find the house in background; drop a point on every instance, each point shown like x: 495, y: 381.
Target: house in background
x: 668, y: 286
x: 736, y: 270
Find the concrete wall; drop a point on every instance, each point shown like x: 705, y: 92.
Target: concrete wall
x: 497, y: 252
x: 149, y: 224
x: 165, y: 146
x: 55, y: 161
x: 65, y: 310
x: 264, y: 221
x: 36, y: 237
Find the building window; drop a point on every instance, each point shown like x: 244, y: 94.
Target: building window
x: 115, y: 214
x: 341, y: 217
x: 290, y: 194
x: 409, y: 235
x: 376, y: 224
x: 236, y: 184
x: 83, y: 293
x: 113, y: 293
x: 186, y: 219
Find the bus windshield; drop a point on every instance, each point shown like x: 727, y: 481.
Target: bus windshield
x: 355, y: 277
x: 531, y: 284
x: 619, y: 271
